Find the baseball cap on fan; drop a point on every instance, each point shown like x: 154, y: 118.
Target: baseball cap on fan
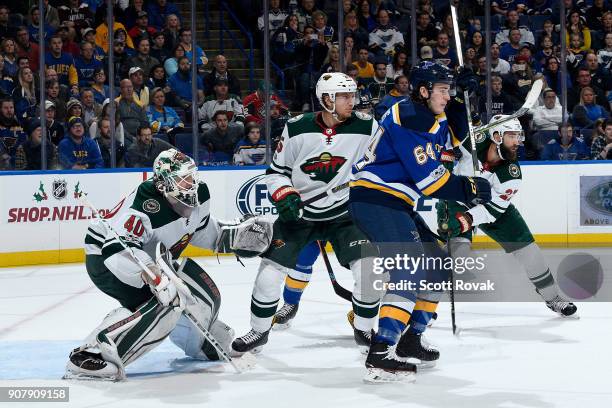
x: 426, y: 52
x: 49, y: 105
x: 134, y: 70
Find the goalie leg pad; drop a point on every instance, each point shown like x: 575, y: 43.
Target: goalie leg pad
x: 266, y: 294
x: 187, y: 337
x: 366, y: 299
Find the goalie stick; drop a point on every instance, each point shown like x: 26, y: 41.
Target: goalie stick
x: 182, y: 289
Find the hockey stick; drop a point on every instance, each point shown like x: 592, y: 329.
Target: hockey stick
x: 182, y: 289
x: 466, y: 93
x: 324, y: 194
x: 530, y: 101
x: 340, y: 291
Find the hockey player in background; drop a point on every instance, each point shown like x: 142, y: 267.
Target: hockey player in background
x: 499, y: 218
x: 401, y: 164
x: 315, y: 155
x: 173, y: 208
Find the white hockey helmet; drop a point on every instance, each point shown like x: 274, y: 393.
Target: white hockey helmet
x: 497, y: 132
x: 331, y: 84
x: 176, y: 175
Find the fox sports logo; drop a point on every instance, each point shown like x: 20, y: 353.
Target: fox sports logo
x: 253, y: 198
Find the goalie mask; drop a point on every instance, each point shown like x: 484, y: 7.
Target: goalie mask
x: 176, y: 175
x: 509, y: 129
x: 331, y: 84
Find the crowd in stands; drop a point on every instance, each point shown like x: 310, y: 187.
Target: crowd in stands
x: 153, y: 55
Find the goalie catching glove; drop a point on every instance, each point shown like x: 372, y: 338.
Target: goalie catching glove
x: 246, y: 238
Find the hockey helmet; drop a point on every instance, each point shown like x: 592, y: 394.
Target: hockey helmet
x: 176, y: 175
x: 497, y: 133
x: 331, y: 84
x: 428, y: 73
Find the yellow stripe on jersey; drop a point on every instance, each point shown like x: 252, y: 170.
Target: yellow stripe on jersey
x: 435, y: 186
x: 434, y: 128
x: 396, y: 115
x: 369, y: 184
x: 454, y: 139
x: 425, y: 306
x: 393, y: 312
x: 294, y: 283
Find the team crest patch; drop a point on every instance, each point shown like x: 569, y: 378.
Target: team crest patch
x: 151, y: 205
x: 324, y: 167
x: 480, y: 137
x: 514, y: 170
x: 59, y: 189
x: 298, y: 117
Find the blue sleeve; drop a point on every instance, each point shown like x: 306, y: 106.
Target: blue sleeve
x: 66, y: 156
x: 174, y: 118
x: 94, y: 155
x: 200, y: 83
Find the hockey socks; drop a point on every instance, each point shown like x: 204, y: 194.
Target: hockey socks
x: 421, y: 315
x: 298, y: 278
x: 531, y: 258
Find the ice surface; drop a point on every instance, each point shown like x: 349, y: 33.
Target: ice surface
x: 508, y: 354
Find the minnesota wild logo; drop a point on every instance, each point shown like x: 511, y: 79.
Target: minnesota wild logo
x: 324, y: 167
x: 40, y: 195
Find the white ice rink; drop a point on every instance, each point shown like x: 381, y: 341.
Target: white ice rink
x: 508, y: 354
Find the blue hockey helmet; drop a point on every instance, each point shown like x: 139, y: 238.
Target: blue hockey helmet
x: 428, y: 73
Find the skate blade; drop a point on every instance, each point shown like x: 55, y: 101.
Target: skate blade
x: 378, y: 376
x: 363, y: 349
x: 419, y: 363
x: 281, y: 326
x: 85, y: 377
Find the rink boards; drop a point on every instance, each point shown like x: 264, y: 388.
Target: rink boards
x: 42, y: 221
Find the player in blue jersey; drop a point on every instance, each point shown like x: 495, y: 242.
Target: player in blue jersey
x: 401, y: 164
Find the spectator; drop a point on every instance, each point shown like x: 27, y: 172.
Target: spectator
x: 10, y: 57
x: 565, y: 146
x: 547, y: 116
x: 278, y: 119
x: 575, y: 25
x: 86, y: 65
x: 254, y: 104
x: 94, y: 130
x: 442, y: 53
x: 222, y: 100
x: 311, y: 54
x: 11, y: 133
x: 509, y: 51
x: 364, y: 67
x: 284, y: 42
x: 477, y: 42
x: 549, y: 30
x: 604, y: 55
x: 553, y: 75
x: 171, y: 64
x: 276, y: 18
x: 545, y: 51
x: 575, y: 53
x: 26, y: 48
x: 6, y: 30
x: 29, y: 154
x: 325, y: 33
x: 512, y: 23
x: 63, y: 64
x: 159, y: 10
x: 91, y: 109
x: 104, y: 141
x: 158, y: 47
x: 180, y: 83
x: 78, y: 151
x: 350, y: 53
x: 222, y: 139
x: 74, y: 109
x: 352, y: 27
x: 25, y: 95
x: 331, y: 63
x: 251, y: 150
x: 34, y: 26
x: 163, y: 119
x: 304, y: 13
x: 379, y: 85
x: 51, y: 16
x: 143, y: 60
x: 601, y: 149
x: 122, y: 36
x: 120, y: 62
x: 499, y: 65
x: 586, y: 113
x: 99, y: 88
x: 501, y: 102
x: 55, y: 130
x: 401, y: 90
x: 595, y: 13
x: 131, y: 114
x: 140, y: 91
x: 172, y: 31
x: 600, y: 77
x: 159, y: 79
x: 364, y: 14
x: 102, y: 33
x: 145, y: 150
x: 426, y: 32
x: 130, y: 16
x: 142, y: 29
x: 220, y: 71
x: 201, y: 59
x: 53, y: 95
x: 539, y: 7
x: 520, y: 80
x: 504, y: 7
x: 77, y: 13
x: 385, y: 39
x: 583, y: 79
x: 89, y: 35
x: 67, y: 34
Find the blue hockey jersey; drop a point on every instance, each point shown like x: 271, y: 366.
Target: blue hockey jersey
x: 402, y: 161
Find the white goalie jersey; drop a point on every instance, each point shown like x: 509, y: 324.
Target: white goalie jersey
x: 314, y: 158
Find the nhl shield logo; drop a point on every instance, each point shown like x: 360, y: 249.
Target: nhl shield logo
x: 59, y: 189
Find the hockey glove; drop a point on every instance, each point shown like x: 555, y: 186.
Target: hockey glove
x: 467, y: 81
x: 479, y: 190
x: 460, y: 223
x: 288, y: 203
